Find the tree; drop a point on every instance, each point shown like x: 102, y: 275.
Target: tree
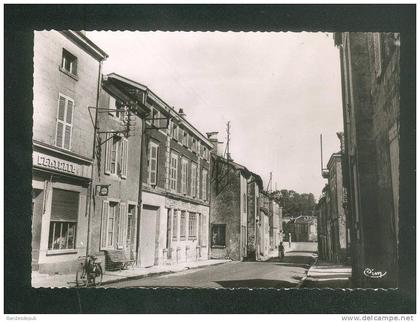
x: 293, y: 203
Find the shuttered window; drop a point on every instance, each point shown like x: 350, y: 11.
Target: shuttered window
x: 193, y: 179
x: 184, y: 167
x: 114, y: 224
x: 173, y: 172
x: 63, y: 222
x: 183, y: 226
x: 124, y: 158
x: 204, y: 185
x: 64, y: 122
x: 152, y: 163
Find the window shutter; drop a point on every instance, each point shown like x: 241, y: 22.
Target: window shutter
x: 108, y: 153
x: 121, y: 225
x: 153, y: 163
x: 124, y: 158
x: 59, y: 138
x: 61, y: 108
x: 105, y: 209
x: 69, y: 116
x: 67, y: 137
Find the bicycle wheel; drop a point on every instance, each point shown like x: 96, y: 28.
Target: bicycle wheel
x: 97, y: 281
x: 81, y: 278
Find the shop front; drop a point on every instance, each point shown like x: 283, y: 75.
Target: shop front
x: 60, y: 184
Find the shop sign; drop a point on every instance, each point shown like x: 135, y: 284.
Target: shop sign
x: 49, y: 162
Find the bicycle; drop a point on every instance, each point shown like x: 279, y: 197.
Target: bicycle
x: 91, y: 273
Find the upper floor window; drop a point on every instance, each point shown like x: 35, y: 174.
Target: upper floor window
x: 173, y: 175
x: 152, y: 162
x: 64, y: 122
x: 204, y: 185
x: 185, y: 138
x: 184, y: 171
x: 116, y: 156
x: 194, y: 145
x: 69, y: 62
x: 174, y: 131
x: 193, y: 179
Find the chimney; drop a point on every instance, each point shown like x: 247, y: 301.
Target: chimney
x: 212, y: 136
x: 181, y: 113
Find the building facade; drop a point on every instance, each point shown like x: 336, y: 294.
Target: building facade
x: 67, y: 69
x: 174, y: 217
x: 115, y: 201
x: 370, y: 76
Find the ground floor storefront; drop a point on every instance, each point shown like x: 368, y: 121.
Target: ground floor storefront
x: 60, y: 185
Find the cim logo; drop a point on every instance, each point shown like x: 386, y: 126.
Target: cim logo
x: 371, y: 273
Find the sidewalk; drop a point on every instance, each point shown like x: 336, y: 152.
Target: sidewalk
x: 328, y: 275
x: 69, y: 280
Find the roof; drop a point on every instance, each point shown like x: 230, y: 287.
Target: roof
x: 84, y: 42
x: 172, y: 112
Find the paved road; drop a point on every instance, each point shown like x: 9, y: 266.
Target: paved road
x: 272, y: 273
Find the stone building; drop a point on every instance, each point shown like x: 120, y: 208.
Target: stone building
x: 115, y: 220
x: 370, y: 74
x: 66, y: 81
x: 229, y: 209
x: 173, y: 220
x: 332, y: 219
x: 254, y: 222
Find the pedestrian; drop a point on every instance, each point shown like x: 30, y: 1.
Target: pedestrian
x: 281, y: 251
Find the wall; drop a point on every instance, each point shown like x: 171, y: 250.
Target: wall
x: 225, y: 208
x: 49, y: 81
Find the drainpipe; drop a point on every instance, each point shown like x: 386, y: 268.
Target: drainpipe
x: 139, y: 199
x: 90, y: 194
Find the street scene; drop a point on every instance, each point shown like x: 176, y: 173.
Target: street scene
x: 215, y: 160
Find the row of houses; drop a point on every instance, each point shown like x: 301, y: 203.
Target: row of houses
x: 359, y: 210
x: 117, y: 168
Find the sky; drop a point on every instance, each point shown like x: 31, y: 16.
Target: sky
x: 279, y: 90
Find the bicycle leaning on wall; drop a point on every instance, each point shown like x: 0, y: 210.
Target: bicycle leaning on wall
x: 90, y: 273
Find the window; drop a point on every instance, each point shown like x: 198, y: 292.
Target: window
x: 204, y: 185
x: 152, y: 163
x: 114, y: 224
x: 64, y: 122
x: 183, y: 226
x: 63, y: 222
x: 155, y: 117
x: 69, y: 62
x: 116, y: 155
x: 193, y: 179
x: 184, y: 167
x: 185, y: 138
x: 117, y: 105
x: 194, y: 145
x: 192, y: 226
x: 175, y: 225
x: 174, y: 131
x: 173, y: 171
x: 218, y: 235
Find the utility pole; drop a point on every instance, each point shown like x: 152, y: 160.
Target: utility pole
x: 270, y: 184
x: 227, y: 150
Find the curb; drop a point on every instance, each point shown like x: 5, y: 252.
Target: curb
x: 136, y: 277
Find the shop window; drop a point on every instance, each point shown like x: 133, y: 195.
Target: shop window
x: 69, y: 62
x: 64, y: 122
x: 63, y: 223
x: 192, y: 226
x: 218, y: 235
x: 152, y: 163
x: 183, y: 226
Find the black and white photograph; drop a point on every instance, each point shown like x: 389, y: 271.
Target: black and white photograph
x: 186, y: 160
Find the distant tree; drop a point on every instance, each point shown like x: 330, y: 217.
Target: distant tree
x: 293, y: 203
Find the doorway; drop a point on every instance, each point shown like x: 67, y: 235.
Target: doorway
x: 148, y: 235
